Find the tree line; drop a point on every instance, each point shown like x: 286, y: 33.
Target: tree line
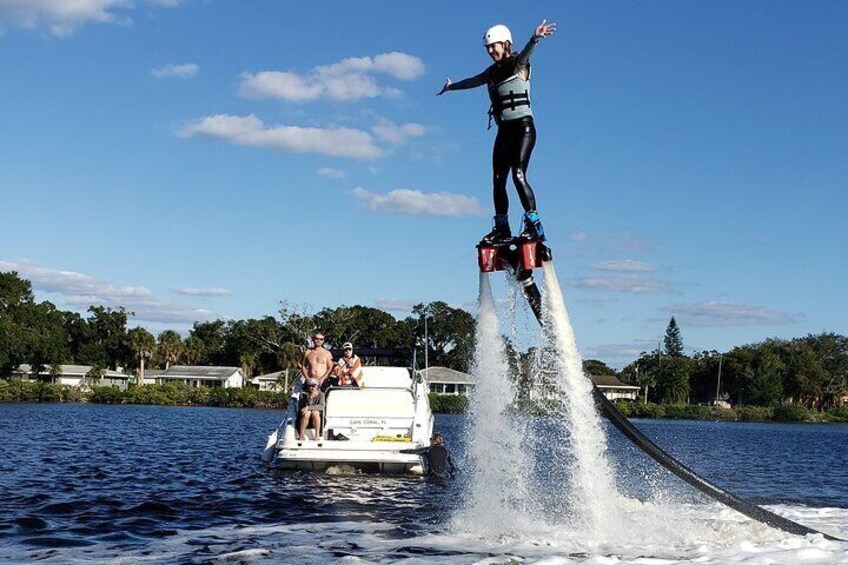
x: 810, y: 371
x: 40, y: 334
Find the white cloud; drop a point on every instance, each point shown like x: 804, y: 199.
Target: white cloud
x: 187, y: 70
x: 348, y: 81
x: 599, y: 244
x: 629, y: 284
x: 80, y: 291
x: 63, y: 17
x: 725, y: 314
x: 626, y: 266
x: 395, y: 304
x: 194, y: 291
x: 407, y: 201
x: 395, y: 134
x: 250, y: 130
x: 331, y: 173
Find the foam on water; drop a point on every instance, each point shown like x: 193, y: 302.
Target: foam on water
x: 382, y: 542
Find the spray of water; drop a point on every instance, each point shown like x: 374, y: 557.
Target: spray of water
x: 499, y: 496
x: 547, y: 477
x: 592, y: 484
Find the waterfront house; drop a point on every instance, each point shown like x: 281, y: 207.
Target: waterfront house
x: 544, y: 386
x: 613, y: 388
x: 74, y: 375
x: 447, y: 381
x: 277, y: 381
x: 212, y: 377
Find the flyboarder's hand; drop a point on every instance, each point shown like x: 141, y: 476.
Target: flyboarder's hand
x: 445, y: 87
x: 545, y: 29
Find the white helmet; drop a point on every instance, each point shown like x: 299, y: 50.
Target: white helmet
x: 496, y: 34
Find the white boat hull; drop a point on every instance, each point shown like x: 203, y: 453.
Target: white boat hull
x: 382, y: 457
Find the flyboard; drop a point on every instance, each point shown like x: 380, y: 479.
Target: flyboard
x: 520, y: 256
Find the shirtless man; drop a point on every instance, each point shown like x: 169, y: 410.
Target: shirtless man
x: 317, y: 362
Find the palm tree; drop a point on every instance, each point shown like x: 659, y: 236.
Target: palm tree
x: 192, y: 350
x: 55, y: 372
x: 248, y: 362
x: 170, y: 347
x: 95, y: 374
x: 143, y: 343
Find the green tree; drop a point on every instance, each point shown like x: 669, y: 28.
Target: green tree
x: 450, y: 334
x: 192, y: 350
x: 645, y: 373
x: 672, y: 383
x: 170, y: 347
x: 106, y: 341
x: 754, y: 375
x: 595, y: 367
x: 94, y: 376
x: 673, y: 341
x: 363, y: 326
x: 247, y: 362
x: 211, y: 335
x: 30, y: 332
x: 804, y: 377
x: 703, y: 376
x: 143, y: 345
x: 55, y: 372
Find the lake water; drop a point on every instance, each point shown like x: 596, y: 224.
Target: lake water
x: 138, y: 484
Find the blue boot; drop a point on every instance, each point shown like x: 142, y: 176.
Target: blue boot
x: 533, y: 226
x: 500, y: 233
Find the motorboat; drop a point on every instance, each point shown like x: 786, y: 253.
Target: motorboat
x: 376, y: 427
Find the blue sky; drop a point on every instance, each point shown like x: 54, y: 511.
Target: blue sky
x: 200, y: 159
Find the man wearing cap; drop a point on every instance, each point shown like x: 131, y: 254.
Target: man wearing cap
x: 311, y: 407
x: 317, y: 362
x: 349, y: 367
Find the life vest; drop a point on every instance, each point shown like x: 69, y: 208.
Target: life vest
x: 350, y: 371
x: 510, y: 96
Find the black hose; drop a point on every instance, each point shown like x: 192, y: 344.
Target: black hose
x: 531, y: 292
x: 751, y: 510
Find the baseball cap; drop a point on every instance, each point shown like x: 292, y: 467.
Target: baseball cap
x: 311, y: 382
x: 347, y: 345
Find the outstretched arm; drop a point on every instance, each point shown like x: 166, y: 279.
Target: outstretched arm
x: 543, y: 30
x: 473, y: 82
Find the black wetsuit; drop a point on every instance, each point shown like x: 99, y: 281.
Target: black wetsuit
x: 516, y: 137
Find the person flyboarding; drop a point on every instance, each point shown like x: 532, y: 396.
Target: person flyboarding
x: 508, y: 81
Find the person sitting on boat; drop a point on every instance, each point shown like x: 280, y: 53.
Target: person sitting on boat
x: 311, y: 408
x: 349, y: 367
x: 508, y: 81
x: 317, y: 361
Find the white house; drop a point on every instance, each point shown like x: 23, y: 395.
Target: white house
x: 447, y: 381
x: 544, y: 386
x: 75, y: 375
x: 277, y: 381
x: 212, y: 377
x: 613, y: 388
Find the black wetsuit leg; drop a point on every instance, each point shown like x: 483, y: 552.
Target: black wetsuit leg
x: 500, y: 170
x: 513, y: 147
x: 523, y: 140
